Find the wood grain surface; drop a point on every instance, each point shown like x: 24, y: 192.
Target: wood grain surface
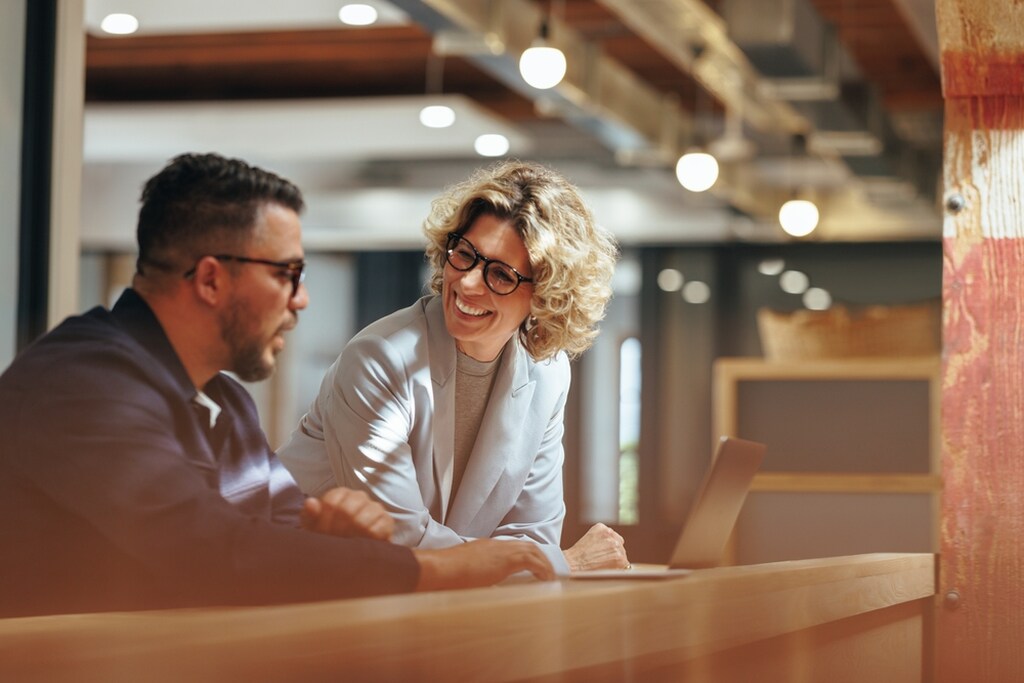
x: 571, y: 630
x: 979, y: 625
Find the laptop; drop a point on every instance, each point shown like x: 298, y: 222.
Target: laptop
x: 711, y: 518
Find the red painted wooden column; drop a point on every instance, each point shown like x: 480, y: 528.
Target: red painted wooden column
x: 980, y: 613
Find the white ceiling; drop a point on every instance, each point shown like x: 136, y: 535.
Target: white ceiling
x: 291, y: 130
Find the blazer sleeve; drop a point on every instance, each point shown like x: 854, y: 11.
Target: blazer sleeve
x: 119, y: 464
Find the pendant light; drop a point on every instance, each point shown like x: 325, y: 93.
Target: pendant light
x: 541, y: 65
x: 799, y: 217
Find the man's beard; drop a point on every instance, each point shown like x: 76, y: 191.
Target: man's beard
x: 247, y: 351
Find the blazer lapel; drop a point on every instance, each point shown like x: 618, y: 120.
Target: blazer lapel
x: 498, y: 447
x: 442, y: 374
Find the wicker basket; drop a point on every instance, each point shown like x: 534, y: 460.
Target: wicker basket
x: 892, y: 331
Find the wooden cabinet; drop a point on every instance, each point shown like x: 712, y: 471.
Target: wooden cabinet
x: 853, y: 454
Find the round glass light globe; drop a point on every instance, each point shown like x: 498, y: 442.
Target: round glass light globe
x: 771, y: 266
x: 697, y: 171
x: 794, y: 282
x: 696, y: 292
x: 817, y: 299
x: 670, y: 280
x: 542, y: 67
x: 798, y: 217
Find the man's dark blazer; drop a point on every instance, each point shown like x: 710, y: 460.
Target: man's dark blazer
x: 115, y: 495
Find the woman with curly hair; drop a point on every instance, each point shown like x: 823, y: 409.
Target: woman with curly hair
x: 450, y: 412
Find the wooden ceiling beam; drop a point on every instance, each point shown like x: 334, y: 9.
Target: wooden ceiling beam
x: 275, y: 64
x: 398, y: 44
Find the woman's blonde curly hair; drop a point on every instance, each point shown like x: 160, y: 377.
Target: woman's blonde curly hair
x: 572, y: 259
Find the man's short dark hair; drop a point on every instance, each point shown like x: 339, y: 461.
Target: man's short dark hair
x: 202, y: 204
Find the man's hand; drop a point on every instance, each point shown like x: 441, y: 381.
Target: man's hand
x: 600, y: 548
x: 344, y: 512
x: 480, y: 563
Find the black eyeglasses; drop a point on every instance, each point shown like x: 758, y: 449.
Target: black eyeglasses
x: 296, y: 269
x: 500, y: 277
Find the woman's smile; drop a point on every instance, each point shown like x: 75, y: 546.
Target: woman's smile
x: 467, y: 309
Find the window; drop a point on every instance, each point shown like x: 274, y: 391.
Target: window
x: 629, y: 430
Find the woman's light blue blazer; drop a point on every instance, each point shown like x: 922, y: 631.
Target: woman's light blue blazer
x: 384, y: 422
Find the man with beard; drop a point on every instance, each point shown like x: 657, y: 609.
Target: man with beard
x: 133, y: 472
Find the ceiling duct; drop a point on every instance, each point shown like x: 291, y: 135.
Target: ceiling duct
x: 782, y: 69
x: 852, y: 125
x: 801, y: 60
x: 797, y: 55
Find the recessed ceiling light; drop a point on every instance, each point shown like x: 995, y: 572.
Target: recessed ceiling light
x: 357, y: 14
x: 437, y: 116
x: 491, y: 145
x: 119, y: 24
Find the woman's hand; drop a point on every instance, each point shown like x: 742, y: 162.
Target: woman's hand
x: 600, y: 548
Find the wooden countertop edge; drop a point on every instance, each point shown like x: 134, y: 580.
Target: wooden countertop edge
x: 502, y: 633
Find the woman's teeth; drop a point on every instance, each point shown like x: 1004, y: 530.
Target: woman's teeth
x: 467, y: 309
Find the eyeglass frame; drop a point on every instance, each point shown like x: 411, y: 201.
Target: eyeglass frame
x: 477, y: 258
x: 296, y: 269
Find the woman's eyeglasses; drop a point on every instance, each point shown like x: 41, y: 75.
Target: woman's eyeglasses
x: 500, y: 277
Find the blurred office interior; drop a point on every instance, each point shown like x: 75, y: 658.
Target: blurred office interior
x: 836, y: 102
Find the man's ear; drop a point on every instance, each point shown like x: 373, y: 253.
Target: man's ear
x: 209, y: 282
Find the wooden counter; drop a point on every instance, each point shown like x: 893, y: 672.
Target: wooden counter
x: 851, y: 618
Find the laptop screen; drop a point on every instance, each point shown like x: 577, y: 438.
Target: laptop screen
x: 717, y: 504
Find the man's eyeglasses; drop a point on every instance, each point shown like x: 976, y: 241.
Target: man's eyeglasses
x: 296, y: 269
x: 500, y: 277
